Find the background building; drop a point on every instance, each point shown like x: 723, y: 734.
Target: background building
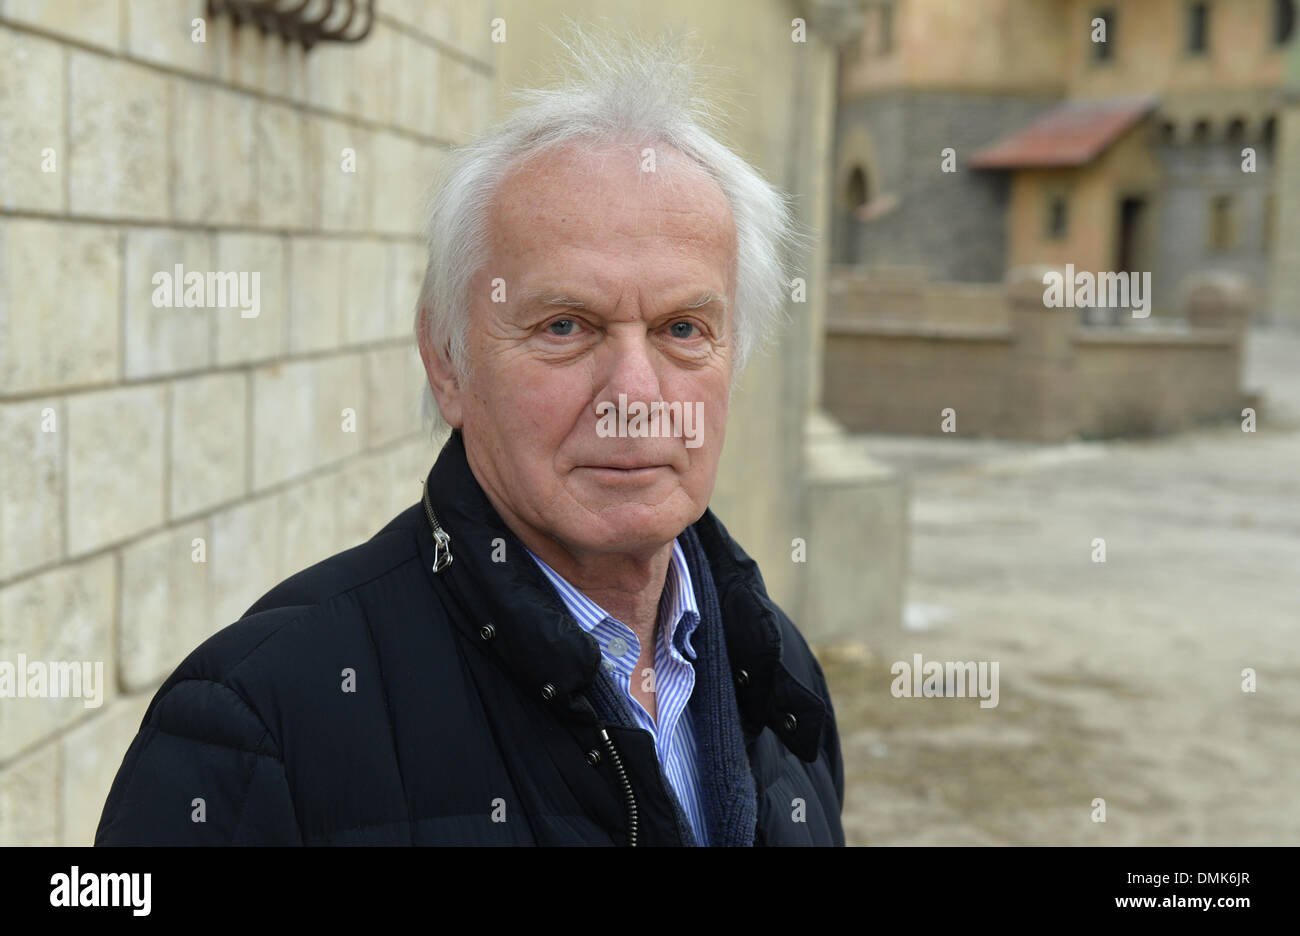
x: 1123, y: 154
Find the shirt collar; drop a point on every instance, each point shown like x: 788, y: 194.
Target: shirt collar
x: 679, y: 613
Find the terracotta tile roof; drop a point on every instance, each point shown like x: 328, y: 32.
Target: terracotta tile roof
x: 1073, y: 134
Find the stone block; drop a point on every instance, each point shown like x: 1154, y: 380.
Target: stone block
x: 212, y: 173
x: 115, y: 465
x: 404, y: 173
x: 162, y: 31
x: 117, y: 134
x: 162, y: 336
x: 32, y: 123
x: 209, y: 442
x: 95, y: 22
x: 337, y: 386
x: 284, y: 422
x: 29, y: 799
x: 64, y: 616
x: 394, y: 381
x: 346, y: 179
x: 415, y: 65
x: 46, y: 270
x: 366, y: 308
x: 241, y: 339
x: 315, y: 306
x: 32, y: 480
x: 285, y: 191
x: 165, y: 610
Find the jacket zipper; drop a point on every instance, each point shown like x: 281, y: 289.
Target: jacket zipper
x: 441, y: 541
x: 441, y: 559
x: 627, y: 787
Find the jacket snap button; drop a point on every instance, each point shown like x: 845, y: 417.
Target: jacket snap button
x: 487, y: 631
x: 593, y: 757
x: 548, y: 692
x: 742, y: 678
x: 791, y: 723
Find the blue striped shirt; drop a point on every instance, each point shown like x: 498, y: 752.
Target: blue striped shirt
x: 673, y: 678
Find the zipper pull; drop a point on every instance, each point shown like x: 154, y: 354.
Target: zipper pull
x: 441, y: 549
x: 441, y: 541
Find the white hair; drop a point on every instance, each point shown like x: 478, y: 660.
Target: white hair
x: 608, y: 92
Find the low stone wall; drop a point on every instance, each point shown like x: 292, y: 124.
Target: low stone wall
x: 902, y: 294
x: 1026, y: 371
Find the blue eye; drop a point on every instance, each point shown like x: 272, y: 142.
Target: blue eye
x: 562, y: 327
x: 677, y: 329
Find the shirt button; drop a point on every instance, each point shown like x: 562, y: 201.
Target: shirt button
x: 617, y: 647
x: 607, y: 666
x: 742, y: 678
x: 548, y: 692
x: 487, y: 631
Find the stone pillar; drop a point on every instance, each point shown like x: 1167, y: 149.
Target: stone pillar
x: 1285, y: 299
x: 1041, y: 395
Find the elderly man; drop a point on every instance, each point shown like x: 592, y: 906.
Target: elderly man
x: 560, y: 644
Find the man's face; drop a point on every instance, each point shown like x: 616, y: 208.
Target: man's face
x: 627, y: 252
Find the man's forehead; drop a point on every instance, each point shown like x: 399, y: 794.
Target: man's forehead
x: 573, y: 189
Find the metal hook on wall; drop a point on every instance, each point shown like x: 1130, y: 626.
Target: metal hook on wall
x: 306, y: 22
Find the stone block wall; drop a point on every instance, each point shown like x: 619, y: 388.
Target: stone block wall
x: 160, y: 468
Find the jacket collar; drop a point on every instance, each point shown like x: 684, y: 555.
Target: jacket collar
x: 509, y: 609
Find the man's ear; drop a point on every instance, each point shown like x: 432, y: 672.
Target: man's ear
x: 442, y: 380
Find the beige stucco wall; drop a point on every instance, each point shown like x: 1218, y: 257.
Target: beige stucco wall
x: 1149, y: 40
x: 984, y: 45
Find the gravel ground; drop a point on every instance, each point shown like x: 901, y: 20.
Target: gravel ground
x: 1120, y: 680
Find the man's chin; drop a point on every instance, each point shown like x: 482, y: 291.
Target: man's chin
x: 633, y: 528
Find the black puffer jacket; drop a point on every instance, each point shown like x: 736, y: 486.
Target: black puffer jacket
x: 448, y: 728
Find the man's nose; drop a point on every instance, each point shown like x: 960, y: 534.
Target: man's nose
x: 631, y: 366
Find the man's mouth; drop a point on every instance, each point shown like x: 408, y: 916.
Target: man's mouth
x: 624, y: 472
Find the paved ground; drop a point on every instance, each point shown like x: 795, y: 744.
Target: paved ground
x: 1120, y: 680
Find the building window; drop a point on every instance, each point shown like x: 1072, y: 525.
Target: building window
x: 885, y: 27
x: 1236, y: 132
x: 1201, y: 131
x: 857, y: 194
x: 1057, y: 215
x: 1198, y: 27
x: 1222, y: 236
x: 1270, y: 131
x: 1168, y: 133
x: 1284, y: 15
x: 1102, y: 34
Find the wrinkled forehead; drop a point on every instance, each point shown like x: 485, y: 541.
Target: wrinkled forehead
x: 592, y: 192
